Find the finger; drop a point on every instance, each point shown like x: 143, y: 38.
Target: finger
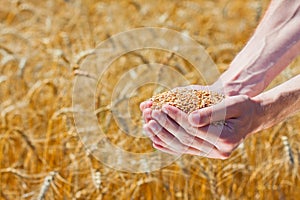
x: 172, y: 127
x: 185, y: 138
x: 153, y: 137
x: 195, y: 135
x: 148, y: 132
x: 178, y: 116
x: 145, y: 104
x: 213, y: 155
x: 176, y: 130
x: 147, y: 114
x: 220, y: 136
x: 170, y: 141
x: 219, y: 112
x: 164, y: 149
x: 209, y: 133
x: 188, y: 151
x: 208, y: 149
x: 164, y: 121
x: 210, y: 153
x: 180, y: 133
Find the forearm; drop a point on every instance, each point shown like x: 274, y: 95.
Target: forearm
x: 280, y: 102
x: 275, y: 43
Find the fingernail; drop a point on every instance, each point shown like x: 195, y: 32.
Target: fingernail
x: 165, y: 110
x: 142, y: 106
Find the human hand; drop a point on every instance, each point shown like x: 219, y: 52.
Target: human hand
x: 147, y: 111
x: 176, y: 132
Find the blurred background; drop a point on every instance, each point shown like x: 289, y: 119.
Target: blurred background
x: 42, y: 46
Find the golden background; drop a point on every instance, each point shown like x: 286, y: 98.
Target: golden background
x: 42, y: 44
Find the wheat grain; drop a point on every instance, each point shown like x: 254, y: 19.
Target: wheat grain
x: 287, y: 149
x: 187, y: 100
x: 47, y: 181
x: 96, y: 176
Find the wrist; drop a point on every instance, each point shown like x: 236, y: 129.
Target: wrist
x: 279, y: 102
x: 262, y: 113
x: 268, y: 110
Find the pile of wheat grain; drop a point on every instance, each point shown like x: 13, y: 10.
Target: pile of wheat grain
x: 187, y: 100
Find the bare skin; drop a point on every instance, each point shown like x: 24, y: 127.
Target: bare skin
x: 275, y: 43
x: 246, y: 110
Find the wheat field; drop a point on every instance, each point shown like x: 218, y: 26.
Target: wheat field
x: 42, y: 46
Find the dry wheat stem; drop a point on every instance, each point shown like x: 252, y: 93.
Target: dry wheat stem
x: 84, y: 73
x: 21, y: 174
x: 47, y: 181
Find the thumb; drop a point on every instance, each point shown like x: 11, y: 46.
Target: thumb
x: 205, y: 116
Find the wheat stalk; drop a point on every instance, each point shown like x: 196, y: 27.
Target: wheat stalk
x: 21, y: 174
x: 45, y: 187
x: 288, y: 149
x: 96, y: 177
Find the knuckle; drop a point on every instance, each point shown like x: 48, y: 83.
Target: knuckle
x: 175, y: 129
x: 163, y: 121
x: 186, y: 140
x: 225, y: 156
x: 202, y: 154
x: 158, y: 142
x: 174, y: 111
x: 190, y: 129
x: 226, y: 145
x: 222, y: 158
x: 153, y: 125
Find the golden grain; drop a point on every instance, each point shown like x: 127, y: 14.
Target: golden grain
x: 187, y: 100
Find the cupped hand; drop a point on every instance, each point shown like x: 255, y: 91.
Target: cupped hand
x: 149, y: 120
x: 176, y: 132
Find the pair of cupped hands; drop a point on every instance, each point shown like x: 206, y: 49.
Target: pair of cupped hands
x: 200, y: 132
